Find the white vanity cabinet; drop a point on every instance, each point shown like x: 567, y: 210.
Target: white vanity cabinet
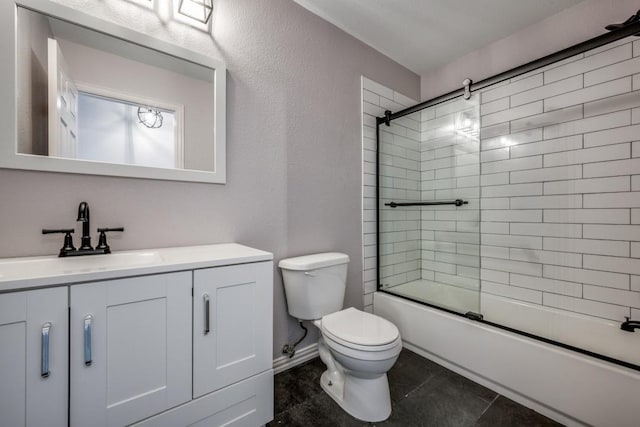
x: 232, y: 350
x: 166, y: 337
x: 34, y: 358
x: 130, y: 342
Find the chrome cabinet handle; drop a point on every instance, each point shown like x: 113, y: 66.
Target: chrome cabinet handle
x: 44, y: 344
x: 87, y: 339
x: 207, y: 311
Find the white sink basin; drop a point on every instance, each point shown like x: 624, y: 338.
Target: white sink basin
x: 51, y: 266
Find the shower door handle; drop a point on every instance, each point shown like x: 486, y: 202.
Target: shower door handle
x: 457, y: 202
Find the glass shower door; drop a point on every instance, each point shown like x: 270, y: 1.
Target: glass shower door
x: 430, y: 242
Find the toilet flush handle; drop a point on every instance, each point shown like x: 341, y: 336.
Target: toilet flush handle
x: 308, y: 273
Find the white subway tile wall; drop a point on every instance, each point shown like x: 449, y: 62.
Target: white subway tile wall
x: 450, y: 153
x: 553, y: 184
x: 400, y: 229
x: 561, y: 185
x: 400, y: 158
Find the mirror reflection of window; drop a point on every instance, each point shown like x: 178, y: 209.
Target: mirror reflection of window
x: 112, y: 130
x: 166, y: 105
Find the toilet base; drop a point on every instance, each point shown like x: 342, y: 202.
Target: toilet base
x: 365, y: 399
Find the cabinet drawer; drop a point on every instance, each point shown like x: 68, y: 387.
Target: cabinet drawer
x: 248, y: 403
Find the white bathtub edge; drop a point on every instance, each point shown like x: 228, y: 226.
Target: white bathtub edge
x: 569, y: 387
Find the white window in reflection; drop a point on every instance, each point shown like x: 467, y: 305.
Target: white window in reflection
x: 112, y: 130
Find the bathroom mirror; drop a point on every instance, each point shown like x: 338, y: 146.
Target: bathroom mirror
x: 91, y: 97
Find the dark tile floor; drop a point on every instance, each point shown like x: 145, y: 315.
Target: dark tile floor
x: 422, y: 394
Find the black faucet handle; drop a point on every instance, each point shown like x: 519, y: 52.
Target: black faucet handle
x: 57, y: 230
x: 106, y: 229
x: 67, y: 246
x: 102, y: 239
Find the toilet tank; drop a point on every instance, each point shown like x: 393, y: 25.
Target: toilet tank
x: 314, y: 284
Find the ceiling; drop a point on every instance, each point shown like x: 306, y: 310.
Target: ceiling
x: 425, y: 34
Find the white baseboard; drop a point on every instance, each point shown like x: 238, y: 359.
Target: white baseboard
x: 301, y: 355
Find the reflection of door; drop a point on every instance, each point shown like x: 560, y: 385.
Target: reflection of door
x: 63, y: 106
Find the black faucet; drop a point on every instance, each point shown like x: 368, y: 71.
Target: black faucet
x: 85, y: 242
x: 83, y: 216
x: 630, y: 325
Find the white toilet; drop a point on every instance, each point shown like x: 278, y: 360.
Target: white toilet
x: 357, y: 347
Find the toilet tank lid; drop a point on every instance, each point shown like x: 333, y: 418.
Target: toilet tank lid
x: 311, y: 262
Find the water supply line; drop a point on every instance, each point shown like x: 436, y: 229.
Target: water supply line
x: 290, y: 349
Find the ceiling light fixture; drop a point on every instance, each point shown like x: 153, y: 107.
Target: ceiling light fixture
x: 150, y: 117
x: 200, y: 10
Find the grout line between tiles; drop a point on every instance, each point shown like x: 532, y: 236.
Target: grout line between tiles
x: 488, y: 406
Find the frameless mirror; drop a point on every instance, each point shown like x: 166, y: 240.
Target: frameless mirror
x: 93, y: 97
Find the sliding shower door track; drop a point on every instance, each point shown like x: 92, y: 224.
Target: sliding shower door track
x: 563, y: 54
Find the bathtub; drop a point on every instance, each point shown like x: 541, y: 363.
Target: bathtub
x: 570, y: 387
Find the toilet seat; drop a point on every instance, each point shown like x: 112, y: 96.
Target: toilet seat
x: 359, y: 330
x: 363, y: 354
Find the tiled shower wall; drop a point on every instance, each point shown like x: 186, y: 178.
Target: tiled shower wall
x: 400, y: 174
x: 559, y: 183
x: 560, y: 163
x: 400, y: 233
x: 450, y: 151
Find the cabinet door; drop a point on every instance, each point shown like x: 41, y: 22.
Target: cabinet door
x: 33, y: 358
x: 130, y: 348
x: 232, y: 324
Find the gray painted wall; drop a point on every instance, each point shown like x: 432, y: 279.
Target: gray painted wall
x: 571, y: 26
x: 294, y: 149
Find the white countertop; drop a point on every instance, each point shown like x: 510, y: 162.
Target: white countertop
x: 34, y: 272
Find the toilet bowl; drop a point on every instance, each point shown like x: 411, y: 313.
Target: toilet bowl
x: 358, y: 348
x: 361, y: 357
